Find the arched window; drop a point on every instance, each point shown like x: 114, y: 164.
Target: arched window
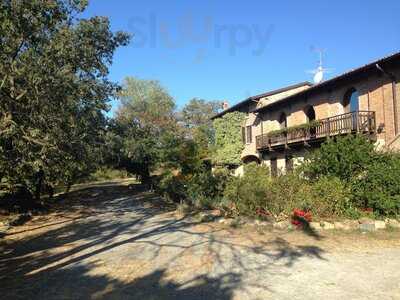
x: 310, y: 113
x: 350, y: 101
x: 283, y: 121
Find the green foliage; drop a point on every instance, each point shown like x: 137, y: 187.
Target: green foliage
x: 370, y: 178
x: 248, y: 192
x: 290, y: 129
x: 104, y: 173
x: 200, y: 188
x: 378, y: 187
x: 326, y: 197
x: 53, y: 89
x: 145, y: 134
x: 198, y: 112
x: 343, y: 157
x: 228, y: 139
x: 196, y: 118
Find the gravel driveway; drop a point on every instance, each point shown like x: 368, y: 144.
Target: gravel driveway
x: 107, y: 241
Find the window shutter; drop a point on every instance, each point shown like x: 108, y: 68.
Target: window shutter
x: 249, y: 137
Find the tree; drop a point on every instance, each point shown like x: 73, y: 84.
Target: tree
x: 228, y: 139
x: 196, y: 117
x: 145, y: 128
x: 198, y: 112
x: 53, y: 89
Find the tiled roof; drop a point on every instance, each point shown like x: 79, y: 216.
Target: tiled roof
x: 342, y: 76
x: 258, y: 97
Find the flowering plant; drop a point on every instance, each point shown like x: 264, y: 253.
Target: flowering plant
x: 301, y: 217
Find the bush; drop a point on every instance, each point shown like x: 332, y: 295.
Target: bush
x: 172, y: 187
x: 342, y: 157
x: 248, y: 192
x: 256, y: 191
x: 201, y: 189
x: 379, y: 186
x: 328, y: 197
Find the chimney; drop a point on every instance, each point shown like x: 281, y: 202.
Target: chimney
x: 225, y: 105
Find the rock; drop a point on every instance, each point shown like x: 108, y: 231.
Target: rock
x: 281, y: 225
x: 351, y: 224
x: 366, y: 221
x: 216, y: 213
x: 340, y: 226
x: 262, y: 223
x: 315, y: 226
x: 393, y: 223
x: 367, y: 227
x: 380, y: 224
x: 228, y: 222
x: 327, y: 226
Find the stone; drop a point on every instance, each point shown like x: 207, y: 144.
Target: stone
x: 366, y: 221
x: 216, y: 213
x: 262, y: 223
x: 367, y: 227
x: 228, y: 222
x: 351, y: 224
x: 341, y: 226
x: 281, y: 225
x: 393, y: 223
x: 315, y: 226
x: 380, y: 224
x: 327, y: 226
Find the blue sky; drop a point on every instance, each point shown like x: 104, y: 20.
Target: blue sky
x: 229, y: 50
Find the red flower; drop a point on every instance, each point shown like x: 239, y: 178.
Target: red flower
x: 301, y: 217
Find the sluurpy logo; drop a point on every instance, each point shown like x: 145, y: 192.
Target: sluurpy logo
x: 202, y: 33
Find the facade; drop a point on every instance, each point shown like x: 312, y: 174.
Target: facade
x: 282, y: 125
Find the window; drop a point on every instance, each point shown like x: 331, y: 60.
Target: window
x: 289, y: 163
x: 243, y: 135
x: 283, y: 121
x: 310, y: 115
x: 274, y: 167
x: 350, y: 101
x: 248, y: 135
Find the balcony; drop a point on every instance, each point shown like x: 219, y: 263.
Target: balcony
x: 353, y: 122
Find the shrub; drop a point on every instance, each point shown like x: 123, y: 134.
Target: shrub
x: 201, y: 188
x: 172, y: 187
x: 257, y: 194
x: 249, y: 191
x: 328, y: 197
x: 378, y: 187
x: 286, y: 193
x: 342, y: 157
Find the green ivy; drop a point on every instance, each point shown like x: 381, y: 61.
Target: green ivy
x: 228, y: 139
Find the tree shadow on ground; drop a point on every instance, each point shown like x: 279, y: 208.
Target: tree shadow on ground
x: 61, y: 262
x: 77, y: 283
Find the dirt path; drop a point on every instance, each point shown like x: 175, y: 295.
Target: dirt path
x: 109, y: 242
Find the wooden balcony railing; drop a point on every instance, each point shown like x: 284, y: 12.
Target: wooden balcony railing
x: 353, y: 122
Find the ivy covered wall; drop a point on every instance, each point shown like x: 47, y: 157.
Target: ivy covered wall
x: 228, y: 139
